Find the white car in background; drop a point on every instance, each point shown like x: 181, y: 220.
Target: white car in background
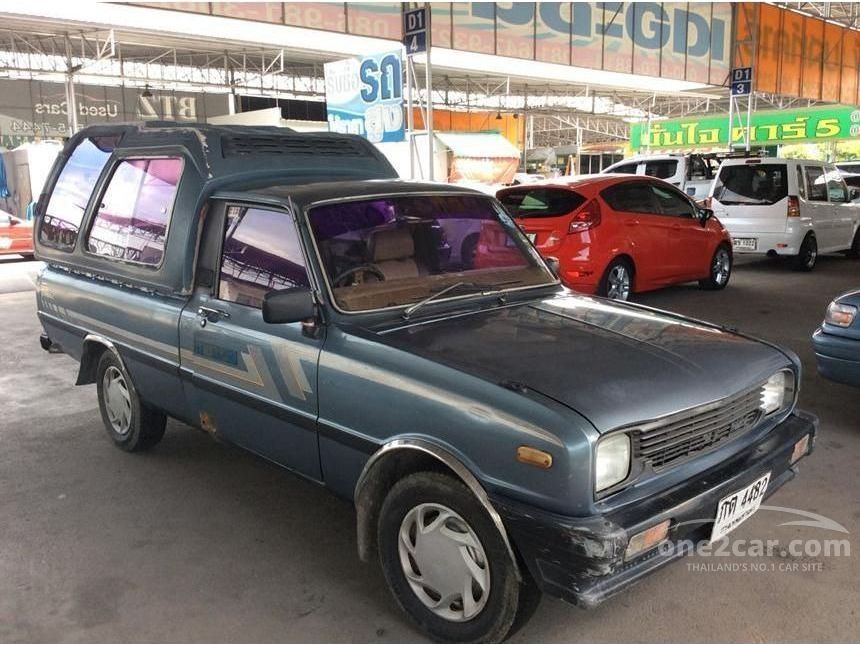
x: 792, y: 207
x: 693, y: 174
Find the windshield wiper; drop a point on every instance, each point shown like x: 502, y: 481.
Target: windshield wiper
x: 451, y: 287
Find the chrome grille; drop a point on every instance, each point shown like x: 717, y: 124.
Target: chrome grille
x: 668, y: 440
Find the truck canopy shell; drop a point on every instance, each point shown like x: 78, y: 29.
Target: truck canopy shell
x: 215, y: 158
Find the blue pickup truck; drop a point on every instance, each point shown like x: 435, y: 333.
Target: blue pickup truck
x: 499, y: 435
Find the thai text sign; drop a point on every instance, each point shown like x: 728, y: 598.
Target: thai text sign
x: 364, y: 95
x: 766, y: 128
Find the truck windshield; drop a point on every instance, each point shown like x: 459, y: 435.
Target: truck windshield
x: 758, y: 183
x: 397, y: 251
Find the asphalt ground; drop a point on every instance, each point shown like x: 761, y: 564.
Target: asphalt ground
x: 198, y: 541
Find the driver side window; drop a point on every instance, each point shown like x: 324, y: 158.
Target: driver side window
x: 671, y: 203
x: 261, y: 252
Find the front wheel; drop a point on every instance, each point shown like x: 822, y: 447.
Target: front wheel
x: 132, y: 424
x: 445, y: 562
x: 721, y: 270
x: 807, y: 254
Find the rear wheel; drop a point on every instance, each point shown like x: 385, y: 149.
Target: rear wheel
x: 807, y: 255
x: 445, y: 562
x: 617, y: 281
x: 721, y: 270
x: 131, y: 424
x: 854, y: 251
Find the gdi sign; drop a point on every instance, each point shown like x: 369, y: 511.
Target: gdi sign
x: 640, y: 21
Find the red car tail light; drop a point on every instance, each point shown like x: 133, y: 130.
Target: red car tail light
x: 793, y: 206
x: 587, y: 217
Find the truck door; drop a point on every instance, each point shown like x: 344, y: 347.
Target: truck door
x: 249, y: 381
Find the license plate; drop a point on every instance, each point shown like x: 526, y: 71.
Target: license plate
x: 532, y: 237
x: 746, y: 243
x: 738, y: 507
x: 5, y: 243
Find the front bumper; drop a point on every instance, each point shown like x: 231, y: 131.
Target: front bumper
x: 581, y: 560
x: 838, y: 358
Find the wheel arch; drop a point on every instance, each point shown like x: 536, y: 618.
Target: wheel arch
x: 93, y: 348
x: 397, y: 459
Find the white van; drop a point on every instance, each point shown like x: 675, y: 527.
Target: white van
x: 691, y: 173
x: 791, y: 207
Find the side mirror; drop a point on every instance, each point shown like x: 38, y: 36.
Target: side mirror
x: 853, y: 194
x: 288, y: 305
x: 704, y: 214
x: 553, y: 265
x: 13, y: 221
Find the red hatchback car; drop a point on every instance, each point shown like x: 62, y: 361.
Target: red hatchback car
x: 16, y: 236
x: 614, y: 235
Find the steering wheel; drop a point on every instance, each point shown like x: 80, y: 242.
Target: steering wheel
x: 363, y: 268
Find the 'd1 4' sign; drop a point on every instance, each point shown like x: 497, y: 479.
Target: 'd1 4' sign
x: 364, y: 95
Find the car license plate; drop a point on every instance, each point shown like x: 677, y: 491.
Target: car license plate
x: 738, y: 507
x: 532, y: 237
x: 6, y: 243
x: 745, y: 243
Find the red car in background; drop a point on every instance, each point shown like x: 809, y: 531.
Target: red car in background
x: 614, y: 235
x: 16, y: 236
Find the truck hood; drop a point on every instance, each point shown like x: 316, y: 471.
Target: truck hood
x: 616, y: 364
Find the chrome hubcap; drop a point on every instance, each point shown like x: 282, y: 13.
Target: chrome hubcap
x: 117, y: 400
x: 618, y: 283
x: 444, y: 562
x: 722, y: 266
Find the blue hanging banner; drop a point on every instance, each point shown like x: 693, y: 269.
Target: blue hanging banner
x: 364, y: 95
x: 4, y: 187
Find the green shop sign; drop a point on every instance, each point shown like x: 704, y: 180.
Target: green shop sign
x: 778, y: 126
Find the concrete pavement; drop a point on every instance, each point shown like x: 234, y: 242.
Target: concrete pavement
x: 197, y: 541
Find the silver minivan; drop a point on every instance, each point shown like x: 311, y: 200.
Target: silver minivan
x: 791, y: 207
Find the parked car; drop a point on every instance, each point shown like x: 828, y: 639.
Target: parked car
x: 497, y: 434
x: 788, y: 207
x: 852, y: 180
x: 16, y: 236
x: 692, y: 174
x: 837, y: 340
x: 614, y: 235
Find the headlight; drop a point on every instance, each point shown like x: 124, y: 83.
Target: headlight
x: 840, y: 315
x: 778, y: 392
x: 611, y: 461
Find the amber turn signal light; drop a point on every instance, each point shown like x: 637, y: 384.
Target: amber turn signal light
x: 800, y: 449
x: 647, y: 539
x: 534, y: 457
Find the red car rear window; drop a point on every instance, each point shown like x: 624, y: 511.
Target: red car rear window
x: 541, y: 201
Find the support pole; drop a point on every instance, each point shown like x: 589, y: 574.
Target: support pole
x: 410, y: 118
x: 429, y: 88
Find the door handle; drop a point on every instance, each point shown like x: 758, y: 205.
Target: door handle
x: 632, y: 222
x: 211, y: 314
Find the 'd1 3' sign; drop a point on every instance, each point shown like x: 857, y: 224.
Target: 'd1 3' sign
x: 364, y: 95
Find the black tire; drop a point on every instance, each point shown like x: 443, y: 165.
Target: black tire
x: 721, y: 269
x: 495, y: 619
x: 468, y: 249
x: 807, y: 254
x: 854, y: 251
x: 145, y: 426
x: 605, y: 287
